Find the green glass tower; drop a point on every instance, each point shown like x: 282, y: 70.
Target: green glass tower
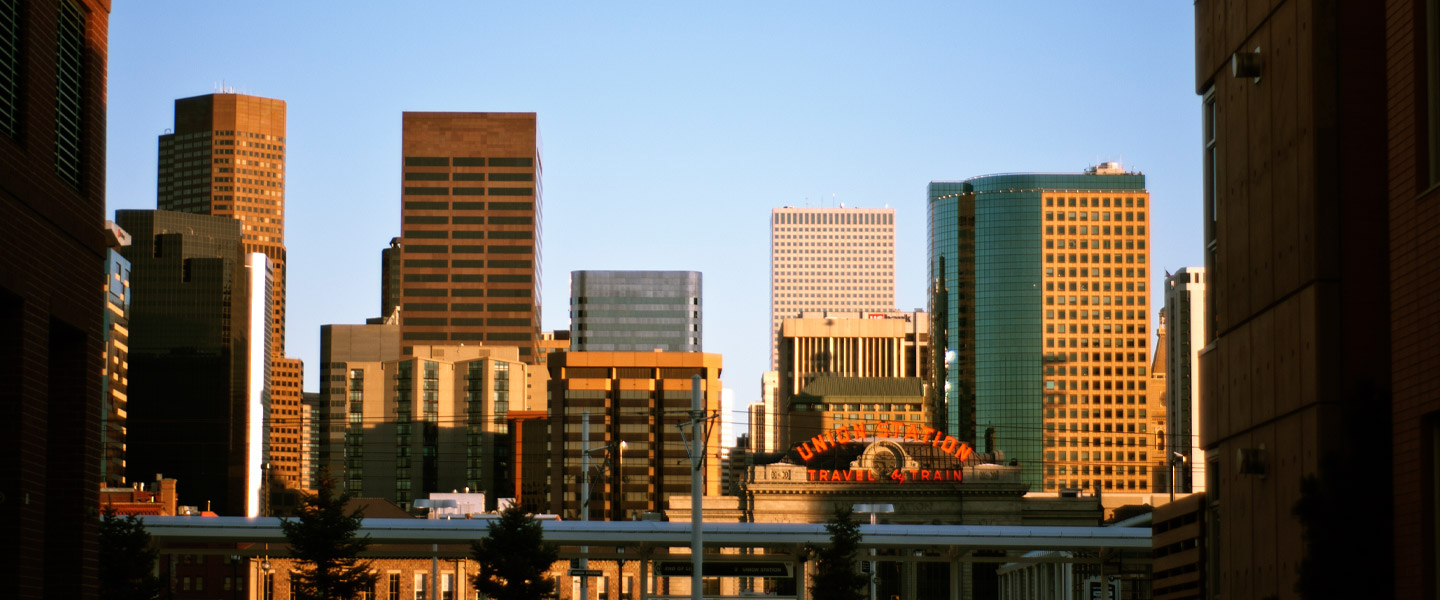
x: 1037, y: 295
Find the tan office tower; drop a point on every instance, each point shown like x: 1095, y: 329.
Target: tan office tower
x: 470, y: 238
x: 835, y: 259
x: 226, y: 157
x: 1042, y: 310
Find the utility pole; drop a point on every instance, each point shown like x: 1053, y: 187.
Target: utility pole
x: 584, y: 497
x: 697, y: 462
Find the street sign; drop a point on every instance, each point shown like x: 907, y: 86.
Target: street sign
x: 585, y: 572
x: 724, y: 569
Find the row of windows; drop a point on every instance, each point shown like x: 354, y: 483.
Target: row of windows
x: 1097, y: 244
x: 1052, y: 230
x: 1095, y: 314
x: 465, y: 161
x: 465, y: 307
x: 1095, y: 300
x: 1141, y: 441
x: 1095, y: 202
x: 1062, y: 384
x: 1096, y: 216
x: 429, y: 220
x: 1099, y: 286
x: 1050, y: 484
x: 526, y: 206
x: 468, y: 191
x: 1084, y: 413
x: 433, y: 176
x: 1097, y: 258
x: 1087, y: 399
x: 467, y: 249
x: 832, y: 218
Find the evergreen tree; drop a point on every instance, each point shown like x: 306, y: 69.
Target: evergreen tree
x: 837, y: 577
x: 127, y: 562
x: 323, y: 540
x: 514, y: 558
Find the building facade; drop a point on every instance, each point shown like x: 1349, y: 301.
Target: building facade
x: 339, y: 346
x: 640, y: 399
x: 52, y: 200
x: 432, y: 421
x: 471, y: 230
x: 115, y: 372
x: 1039, y: 293
x: 636, y: 311
x: 199, y: 354
x: 844, y: 344
x: 837, y: 259
x: 1184, y: 314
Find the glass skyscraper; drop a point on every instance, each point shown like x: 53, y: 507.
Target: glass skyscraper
x: 635, y: 311
x: 1040, y: 322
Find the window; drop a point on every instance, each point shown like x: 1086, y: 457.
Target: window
x: 392, y: 585
x: 9, y: 67
x: 1432, y: 86
x: 69, y: 67
x: 1210, y: 199
x: 420, y: 586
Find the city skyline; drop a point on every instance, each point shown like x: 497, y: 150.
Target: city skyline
x: 787, y: 136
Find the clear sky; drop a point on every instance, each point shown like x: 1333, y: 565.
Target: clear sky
x: 670, y: 129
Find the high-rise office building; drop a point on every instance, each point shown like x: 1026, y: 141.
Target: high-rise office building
x: 1184, y: 313
x: 115, y: 372
x: 226, y: 157
x: 471, y: 221
x: 199, y: 344
x: 839, y: 259
x: 638, y: 399
x: 636, y: 311
x: 52, y: 201
x: 1039, y: 297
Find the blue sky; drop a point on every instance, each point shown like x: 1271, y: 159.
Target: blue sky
x: 670, y: 130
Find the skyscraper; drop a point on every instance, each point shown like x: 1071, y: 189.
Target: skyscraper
x: 52, y: 201
x: 471, y: 220
x: 1185, y: 320
x: 636, y: 311
x: 115, y: 372
x: 838, y: 259
x: 198, y: 348
x: 1040, y: 299
x: 226, y: 157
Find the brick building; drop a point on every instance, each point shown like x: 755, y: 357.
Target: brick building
x: 52, y: 200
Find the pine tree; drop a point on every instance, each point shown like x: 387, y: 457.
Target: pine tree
x: 514, y: 558
x: 836, y: 577
x: 127, y: 561
x: 323, y: 540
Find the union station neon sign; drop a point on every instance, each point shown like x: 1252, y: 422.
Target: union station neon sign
x: 884, y: 471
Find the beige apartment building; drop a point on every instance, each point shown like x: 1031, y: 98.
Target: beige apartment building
x: 432, y: 421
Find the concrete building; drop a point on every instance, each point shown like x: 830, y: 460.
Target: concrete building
x: 636, y: 311
x: 340, y: 345
x: 115, y: 372
x: 827, y: 402
x: 432, y: 421
x: 226, y: 157
x: 1039, y: 294
x: 639, y: 398
x: 1184, y: 315
x: 1179, y: 549
x: 52, y: 201
x: 198, y: 347
x: 845, y: 344
x: 830, y: 259
x: 471, y: 220
x: 765, y: 415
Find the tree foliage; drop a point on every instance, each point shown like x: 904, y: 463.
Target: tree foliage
x: 323, y: 540
x: 127, y: 561
x: 514, y: 558
x: 836, y: 574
